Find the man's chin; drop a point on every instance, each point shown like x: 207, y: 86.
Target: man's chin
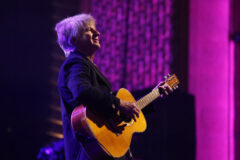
x: 97, y: 46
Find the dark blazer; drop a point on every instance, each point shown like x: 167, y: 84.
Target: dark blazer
x: 80, y: 82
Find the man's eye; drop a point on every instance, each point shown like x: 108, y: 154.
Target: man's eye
x: 88, y: 29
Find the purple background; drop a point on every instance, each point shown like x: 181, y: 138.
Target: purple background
x: 135, y: 38
x: 142, y: 40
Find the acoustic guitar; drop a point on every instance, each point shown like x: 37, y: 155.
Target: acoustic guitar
x: 108, y: 138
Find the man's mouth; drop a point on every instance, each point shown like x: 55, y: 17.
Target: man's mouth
x: 95, y: 40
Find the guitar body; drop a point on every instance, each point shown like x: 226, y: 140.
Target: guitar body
x: 108, y: 138
x: 104, y: 142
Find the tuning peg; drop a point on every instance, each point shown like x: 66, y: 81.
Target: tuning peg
x: 169, y: 75
x: 175, y: 87
x: 165, y: 77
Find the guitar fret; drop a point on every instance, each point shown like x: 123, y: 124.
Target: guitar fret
x: 144, y: 101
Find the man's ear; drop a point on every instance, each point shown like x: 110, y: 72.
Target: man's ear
x: 73, y: 41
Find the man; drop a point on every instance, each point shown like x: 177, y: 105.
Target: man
x: 80, y: 81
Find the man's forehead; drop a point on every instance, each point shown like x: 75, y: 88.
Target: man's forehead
x: 90, y: 24
x: 87, y: 25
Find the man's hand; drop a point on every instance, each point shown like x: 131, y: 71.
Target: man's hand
x: 129, y: 109
x: 164, y: 89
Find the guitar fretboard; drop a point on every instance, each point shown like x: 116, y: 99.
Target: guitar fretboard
x: 144, y: 101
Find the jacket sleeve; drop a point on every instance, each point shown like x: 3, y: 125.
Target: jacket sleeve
x: 79, y: 83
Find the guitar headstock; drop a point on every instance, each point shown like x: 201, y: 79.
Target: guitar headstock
x: 172, y: 81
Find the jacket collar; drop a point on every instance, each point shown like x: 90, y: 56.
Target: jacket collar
x: 93, y: 66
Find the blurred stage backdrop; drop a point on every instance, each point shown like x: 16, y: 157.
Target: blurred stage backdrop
x: 141, y: 41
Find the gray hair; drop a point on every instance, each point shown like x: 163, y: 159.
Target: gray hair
x: 70, y: 28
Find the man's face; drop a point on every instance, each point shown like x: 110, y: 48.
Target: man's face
x: 89, y: 39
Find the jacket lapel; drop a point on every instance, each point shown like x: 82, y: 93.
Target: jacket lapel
x: 101, y: 76
x: 95, y: 68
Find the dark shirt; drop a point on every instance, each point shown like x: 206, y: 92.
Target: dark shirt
x: 80, y: 82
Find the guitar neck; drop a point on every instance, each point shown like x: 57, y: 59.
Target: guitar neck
x: 144, y: 101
